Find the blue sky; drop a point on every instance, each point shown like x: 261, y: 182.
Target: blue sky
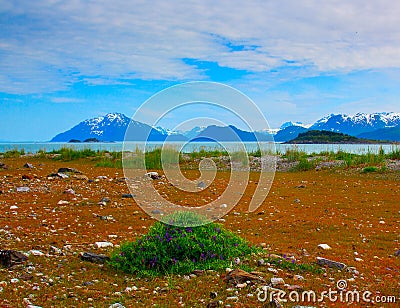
x: 65, y: 61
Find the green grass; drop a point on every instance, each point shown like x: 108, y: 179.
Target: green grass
x: 14, y: 153
x: 370, y: 169
x: 304, y: 165
x: 168, y: 249
x: 69, y: 154
x: 291, y: 264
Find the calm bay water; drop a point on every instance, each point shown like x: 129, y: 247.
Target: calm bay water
x: 34, y: 147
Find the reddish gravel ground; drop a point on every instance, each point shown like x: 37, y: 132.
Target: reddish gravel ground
x: 356, y: 214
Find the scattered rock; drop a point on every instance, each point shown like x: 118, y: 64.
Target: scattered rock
x: 223, y: 206
x: 272, y: 270
x: 55, y: 251
x: 117, y: 305
x: 296, y: 200
x: 104, y: 201
x: 240, y: 276
x: 358, y: 260
x: 62, y: 175
x: 213, y: 295
x: 261, y: 262
x: 68, y: 170
x: 3, y: 166
x: 63, y: 202
x: 153, y: 175
x: 232, y: 298
x: 298, y: 278
x: 103, y: 244
x: 277, y: 281
x: 201, y: 185
x: 9, y: 258
x: 156, y: 212
x: 28, y: 165
x: 127, y: 196
x: 80, y: 177
x: 35, y: 252
x: 330, y: 263
x: 397, y: 253
x: 69, y: 191
x: 94, y: 258
x: 13, y: 207
x: 23, y: 189
x: 324, y: 246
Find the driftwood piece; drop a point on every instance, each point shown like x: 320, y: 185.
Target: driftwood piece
x: 240, y: 276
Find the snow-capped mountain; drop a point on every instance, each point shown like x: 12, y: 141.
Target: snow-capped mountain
x: 112, y: 127
x: 358, y: 123
x: 290, y: 123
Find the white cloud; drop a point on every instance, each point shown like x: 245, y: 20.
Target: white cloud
x: 46, y: 45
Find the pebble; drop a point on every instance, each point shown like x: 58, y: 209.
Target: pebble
x: 117, y: 305
x: 237, y: 261
x: 324, y: 246
x: 62, y: 202
x: 14, y: 280
x: 13, y: 207
x: 298, y: 278
x: 397, y: 253
x: 260, y: 262
x: 213, y: 295
x: 358, y: 260
x: 35, y: 252
x: 272, y: 270
x: 28, y: 165
x: 103, y: 244
x: 277, y: 281
x: 127, y: 196
x: 223, y: 206
x: 296, y: 200
x: 23, y: 189
x: 69, y: 191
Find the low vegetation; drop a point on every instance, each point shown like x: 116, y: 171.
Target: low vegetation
x: 168, y: 249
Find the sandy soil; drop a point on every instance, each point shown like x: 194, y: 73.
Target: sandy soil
x: 357, y: 215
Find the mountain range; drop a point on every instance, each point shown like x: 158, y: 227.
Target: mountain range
x: 112, y: 127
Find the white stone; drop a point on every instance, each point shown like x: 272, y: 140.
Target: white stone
x: 62, y: 202
x: 103, y: 244
x: 13, y: 207
x: 324, y: 246
x: 35, y: 252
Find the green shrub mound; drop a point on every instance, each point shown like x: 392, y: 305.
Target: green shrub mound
x: 168, y: 249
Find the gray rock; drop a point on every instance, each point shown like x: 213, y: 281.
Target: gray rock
x: 62, y: 175
x: 23, y: 189
x: 28, y: 165
x: 69, y: 170
x: 213, y: 295
x: 153, y: 175
x: 156, y: 212
x: 330, y: 263
x: 397, y: 253
x: 296, y: 200
x: 117, y: 305
x: 201, y: 184
x: 94, y: 258
x: 261, y: 262
x: 9, y: 258
x: 127, y: 195
x: 105, y: 199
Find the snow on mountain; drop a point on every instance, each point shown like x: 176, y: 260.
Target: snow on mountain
x: 290, y: 123
x: 358, y: 123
